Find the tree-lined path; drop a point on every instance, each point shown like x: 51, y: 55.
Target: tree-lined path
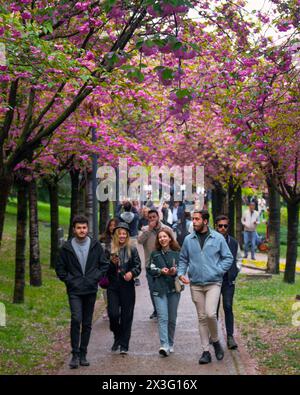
x: 143, y: 357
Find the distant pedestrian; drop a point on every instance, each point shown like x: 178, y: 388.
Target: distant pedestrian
x: 250, y: 220
x: 131, y: 217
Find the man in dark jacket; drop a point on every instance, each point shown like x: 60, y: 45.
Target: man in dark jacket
x: 228, y: 285
x: 80, y: 265
x: 131, y: 218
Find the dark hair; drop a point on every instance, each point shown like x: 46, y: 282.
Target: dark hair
x: 204, y: 214
x: 127, y: 206
x: 80, y: 219
x: 222, y: 217
x: 106, y: 236
x: 173, y: 243
x: 153, y: 211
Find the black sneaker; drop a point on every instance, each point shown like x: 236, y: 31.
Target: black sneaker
x: 231, y: 344
x: 205, y: 358
x: 123, y: 350
x: 74, y: 363
x: 153, y: 315
x: 218, y: 350
x: 83, y: 361
x: 115, y: 346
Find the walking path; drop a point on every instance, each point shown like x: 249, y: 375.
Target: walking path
x: 143, y: 357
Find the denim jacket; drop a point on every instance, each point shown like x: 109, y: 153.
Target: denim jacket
x: 207, y: 265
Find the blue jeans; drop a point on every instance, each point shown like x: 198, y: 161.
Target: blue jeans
x: 166, y: 307
x: 250, y: 237
x: 150, y: 281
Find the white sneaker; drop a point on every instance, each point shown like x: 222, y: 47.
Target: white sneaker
x: 171, y: 349
x: 164, y: 351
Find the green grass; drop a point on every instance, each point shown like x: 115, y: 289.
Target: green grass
x: 263, y: 311
x: 43, y: 212
x: 36, y: 337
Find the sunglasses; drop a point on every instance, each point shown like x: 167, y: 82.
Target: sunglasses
x: 223, y: 226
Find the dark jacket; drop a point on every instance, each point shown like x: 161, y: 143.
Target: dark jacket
x: 127, y: 264
x: 68, y: 268
x: 159, y: 260
x: 232, y: 273
x: 131, y: 218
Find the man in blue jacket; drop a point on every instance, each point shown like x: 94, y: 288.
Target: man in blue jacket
x: 206, y: 257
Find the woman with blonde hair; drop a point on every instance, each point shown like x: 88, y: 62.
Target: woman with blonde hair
x: 163, y: 267
x: 125, y: 266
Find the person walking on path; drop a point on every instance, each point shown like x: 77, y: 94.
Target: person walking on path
x: 80, y: 265
x: 206, y: 257
x: 131, y: 217
x: 105, y: 240
x: 125, y: 265
x: 228, y: 285
x: 250, y: 220
x: 163, y: 269
x: 148, y: 238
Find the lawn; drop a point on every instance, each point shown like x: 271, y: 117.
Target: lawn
x: 36, y: 337
x: 264, y: 314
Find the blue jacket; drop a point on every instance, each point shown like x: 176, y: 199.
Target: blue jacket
x: 207, y: 265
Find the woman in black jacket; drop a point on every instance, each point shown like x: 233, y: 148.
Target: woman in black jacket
x: 105, y: 240
x: 163, y: 267
x: 125, y: 265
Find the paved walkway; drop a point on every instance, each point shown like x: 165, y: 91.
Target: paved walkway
x: 143, y: 357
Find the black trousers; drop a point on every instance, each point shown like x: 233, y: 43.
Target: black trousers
x: 120, y: 307
x: 82, y: 309
x: 227, y: 292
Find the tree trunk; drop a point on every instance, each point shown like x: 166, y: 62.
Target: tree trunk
x: 218, y: 198
x: 34, y: 261
x: 53, y: 194
x: 20, y: 243
x: 104, y: 216
x: 89, y: 202
x: 74, y: 198
x: 273, y: 229
x: 82, y: 186
x: 292, y: 242
x: 6, y: 182
x: 231, y: 208
x: 239, y: 213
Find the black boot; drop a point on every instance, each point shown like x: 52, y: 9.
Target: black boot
x: 83, y: 361
x: 231, y: 344
x: 116, y: 345
x: 74, y: 363
x: 205, y: 358
x: 218, y: 350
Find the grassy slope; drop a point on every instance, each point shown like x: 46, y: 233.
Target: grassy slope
x: 263, y: 310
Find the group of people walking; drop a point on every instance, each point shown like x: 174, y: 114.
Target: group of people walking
x: 208, y: 260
